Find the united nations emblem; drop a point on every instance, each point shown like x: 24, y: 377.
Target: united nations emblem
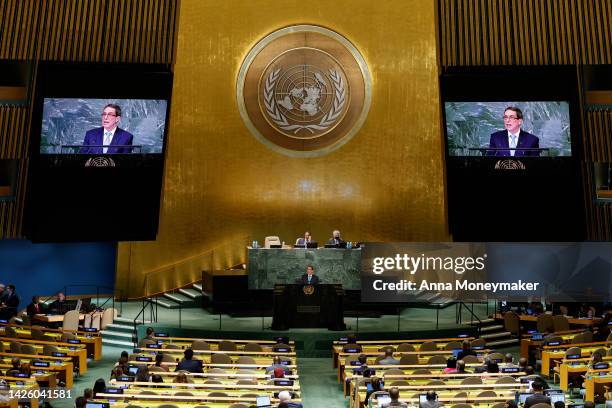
x: 308, y: 290
x: 304, y: 91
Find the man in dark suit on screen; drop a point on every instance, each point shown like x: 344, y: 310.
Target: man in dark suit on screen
x: 103, y: 139
x: 309, y: 278
x: 513, y: 137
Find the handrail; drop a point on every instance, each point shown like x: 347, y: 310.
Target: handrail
x: 200, y: 258
x: 146, y: 302
x: 473, y: 315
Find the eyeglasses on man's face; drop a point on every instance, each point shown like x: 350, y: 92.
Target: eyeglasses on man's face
x: 510, y: 117
x: 109, y: 114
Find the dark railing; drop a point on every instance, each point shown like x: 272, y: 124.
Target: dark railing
x: 147, y: 305
x: 473, y: 315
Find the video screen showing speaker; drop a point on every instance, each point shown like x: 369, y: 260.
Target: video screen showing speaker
x: 508, y: 128
x: 103, y: 126
x: 97, y: 144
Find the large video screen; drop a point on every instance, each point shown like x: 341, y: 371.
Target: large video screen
x: 103, y: 126
x: 510, y: 128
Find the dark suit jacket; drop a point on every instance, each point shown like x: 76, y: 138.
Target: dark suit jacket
x: 11, y: 302
x: 525, y: 140
x: 313, y: 281
x: 333, y: 241
x: 536, y: 399
x: 96, y: 137
x: 31, y: 310
x: 193, y: 366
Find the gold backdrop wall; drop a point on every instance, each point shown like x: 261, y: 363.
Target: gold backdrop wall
x: 223, y: 188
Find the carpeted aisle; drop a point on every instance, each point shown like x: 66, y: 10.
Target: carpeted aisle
x: 319, y: 383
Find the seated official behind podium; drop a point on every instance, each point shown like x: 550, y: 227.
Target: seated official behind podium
x: 309, y: 278
x: 305, y: 240
x: 336, y: 239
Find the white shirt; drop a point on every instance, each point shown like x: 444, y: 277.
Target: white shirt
x: 513, y: 145
x: 107, y: 139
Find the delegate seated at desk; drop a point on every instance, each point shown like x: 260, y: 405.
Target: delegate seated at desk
x: 36, y: 307
x: 309, y: 278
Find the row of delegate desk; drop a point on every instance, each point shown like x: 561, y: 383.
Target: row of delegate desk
x: 239, y: 382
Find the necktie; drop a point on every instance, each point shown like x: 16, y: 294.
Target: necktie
x: 513, y: 152
x: 107, y: 140
x: 308, y: 278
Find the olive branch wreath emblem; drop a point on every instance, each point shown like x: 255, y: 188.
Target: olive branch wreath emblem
x: 281, y: 121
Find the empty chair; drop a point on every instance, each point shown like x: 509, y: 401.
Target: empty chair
x: 243, y: 371
x: 226, y: 345
x: 217, y: 370
x: 10, y: 332
x: 461, y: 394
x: 15, y: 347
x: 572, y: 351
x: 238, y: 405
x: 216, y: 394
x: 71, y: 321
x: 587, y: 336
x: 281, y: 346
x: 540, y: 405
x: 560, y: 323
x: 601, y: 351
x: 393, y: 371
x: 407, y: 359
x: 505, y: 380
x: 486, y: 394
x: 133, y: 406
x: 92, y: 320
x: 245, y: 360
x: 200, y: 345
x: 421, y: 371
x: 405, y: 347
x: 399, y: 382
x: 168, y: 358
x: 167, y: 406
x: 545, y: 323
x: 436, y: 382
x: 37, y: 332
x: 428, y: 346
x: 452, y: 345
x: 470, y: 359
x: 155, y: 369
x: 471, y: 380
x: 246, y: 382
x: 252, y: 347
x: 272, y: 240
x: 184, y: 394
x: 221, y: 359
x: 497, y: 357
x: 350, y: 358
x: 499, y: 405
x: 172, y: 346
x: 48, y: 350
x: 67, y: 336
x: 108, y: 317
x: 478, y: 343
x: 248, y: 395
x: 437, y: 360
x: 553, y: 339
x: 28, y: 349
x: 212, y: 382
x: 460, y: 405
x: 147, y: 392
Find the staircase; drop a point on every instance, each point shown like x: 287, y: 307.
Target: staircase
x: 120, y: 333
x: 493, y: 332
x: 184, y: 297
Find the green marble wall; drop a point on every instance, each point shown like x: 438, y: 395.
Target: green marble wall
x: 267, y: 267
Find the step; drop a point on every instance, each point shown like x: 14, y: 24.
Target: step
x: 124, y: 320
x: 191, y: 293
x: 491, y: 328
x: 498, y: 343
x: 121, y: 327
x: 121, y: 343
x: 198, y: 287
x: 167, y: 303
x: 487, y: 321
x: 179, y: 298
x: 110, y: 333
x: 495, y: 335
